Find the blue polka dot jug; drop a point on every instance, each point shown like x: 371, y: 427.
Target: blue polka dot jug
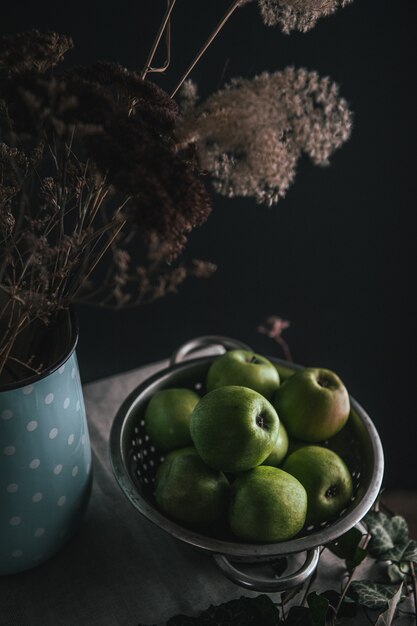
x: 45, y: 466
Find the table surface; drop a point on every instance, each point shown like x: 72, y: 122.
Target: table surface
x: 119, y: 569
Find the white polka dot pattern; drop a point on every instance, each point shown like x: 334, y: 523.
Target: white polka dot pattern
x: 53, y: 433
x: 44, y: 463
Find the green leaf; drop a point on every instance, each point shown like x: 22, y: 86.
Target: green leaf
x: 298, y: 616
x: 372, y: 595
x: 398, y: 572
x: 386, y: 618
x: 389, y: 538
x: 348, y: 608
x: 313, y: 615
x: 318, y: 606
x: 258, y: 611
x: 347, y: 547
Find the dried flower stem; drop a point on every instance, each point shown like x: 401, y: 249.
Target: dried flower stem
x: 165, y: 24
x: 99, y: 257
x: 5, y: 351
x: 213, y: 35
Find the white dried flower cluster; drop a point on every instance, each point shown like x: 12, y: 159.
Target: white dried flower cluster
x: 299, y: 15
x: 251, y: 134
x: 188, y: 96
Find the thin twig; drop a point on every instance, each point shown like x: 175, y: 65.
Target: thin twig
x: 164, y: 23
x: 235, y: 4
x: 98, y: 258
x: 29, y: 367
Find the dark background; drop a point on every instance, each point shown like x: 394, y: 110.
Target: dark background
x: 336, y: 257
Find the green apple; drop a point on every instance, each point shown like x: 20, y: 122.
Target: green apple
x: 172, y: 455
x: 280, y: 449
x: 325, y: 478
x: 313, y: 404
x: 243, y: 368
x: 267, y: 505
x: 190, y: 492
x: 167, y: 418
x: 234, y: 428
x: 284, y: 372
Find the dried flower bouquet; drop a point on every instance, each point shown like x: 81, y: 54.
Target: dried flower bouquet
x: 100, y: 170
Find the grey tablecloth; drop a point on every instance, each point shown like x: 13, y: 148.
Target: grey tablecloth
x: 119, y: 569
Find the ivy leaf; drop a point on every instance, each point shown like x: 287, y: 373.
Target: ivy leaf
x: 386, y: 618
x: 347, y: 547
x: 298, y: 616
x: 318, y: 606
x: 372, y: 595
x: 313, y: 615
x: 348, y: 608
x: 241, y: 612
x: 398, y: 572
x: 389, y: 538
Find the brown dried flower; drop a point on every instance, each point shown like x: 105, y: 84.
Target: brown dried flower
x: 89, y: 168
x: 251, y: 134
x: 273, y: 326
x: 32, y: 51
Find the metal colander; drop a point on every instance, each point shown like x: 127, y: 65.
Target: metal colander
x: 136, y: 460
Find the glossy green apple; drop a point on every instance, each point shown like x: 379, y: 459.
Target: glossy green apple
x: 280, y: 449
x: 240, y: 367
x: 191, y: 492
x: 167, y: 418
x: 234, y: 428
x: 313, y: 404
x: 267, y: 504
x: 325, y: 478
x: 172, y: 455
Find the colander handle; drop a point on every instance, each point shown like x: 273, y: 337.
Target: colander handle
x: 206, y: 340
x: 268, y: 584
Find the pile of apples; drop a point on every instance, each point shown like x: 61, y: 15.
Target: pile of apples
x: 246, y: 453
